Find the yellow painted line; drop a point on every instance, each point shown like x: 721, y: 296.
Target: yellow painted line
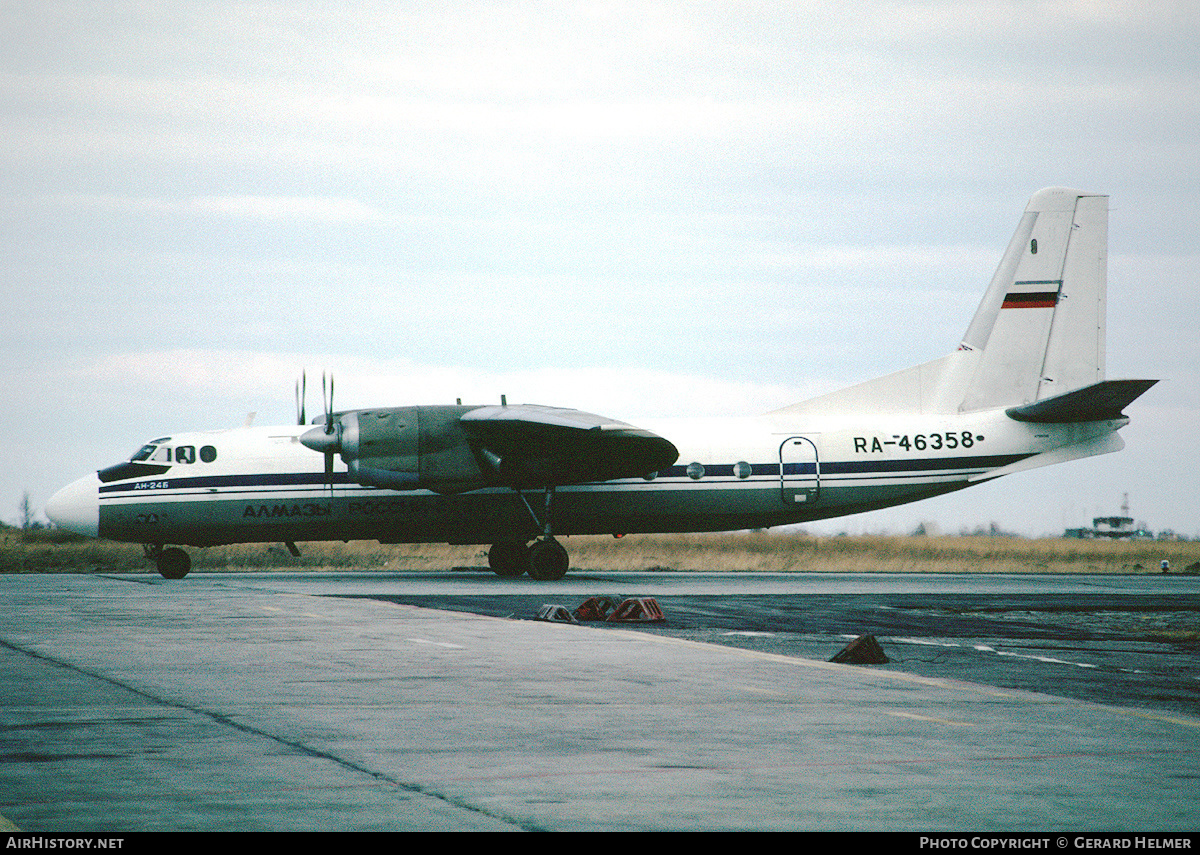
x: 445, y: 644
x: 929, y: 718
x: 819, y: 665
x: 286, y: 611
x: 901, y: 676
x: 1153, y: 716
x: 7, y: 825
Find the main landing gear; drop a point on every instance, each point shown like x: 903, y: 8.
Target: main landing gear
x: 545, y: 559
x: 172, y: 562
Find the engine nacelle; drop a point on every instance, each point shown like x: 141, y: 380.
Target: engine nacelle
x: 410, y: 448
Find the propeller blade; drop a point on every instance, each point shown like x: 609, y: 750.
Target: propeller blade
x: 328, y: 402
x: 329, y: 431
x: 301, y: 395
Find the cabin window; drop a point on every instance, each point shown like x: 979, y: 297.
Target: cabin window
x: 695, y: 471
x: 742, y: 469
x: 208, y: 454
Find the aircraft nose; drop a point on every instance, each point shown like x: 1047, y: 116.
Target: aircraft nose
x: 76, y: 507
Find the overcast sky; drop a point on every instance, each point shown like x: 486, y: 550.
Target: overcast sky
x: 639, y: 209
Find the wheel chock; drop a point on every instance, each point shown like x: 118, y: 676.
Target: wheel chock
x: 864, y: 650
x: 596, y: 608
x: 637, y: 610
x: 552, y: 613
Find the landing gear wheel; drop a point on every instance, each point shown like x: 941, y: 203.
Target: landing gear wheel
x: 508, y: 559
x: 173, y: 563
x: 548, y: 560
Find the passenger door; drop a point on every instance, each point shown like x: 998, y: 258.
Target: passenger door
x: 799, y: 471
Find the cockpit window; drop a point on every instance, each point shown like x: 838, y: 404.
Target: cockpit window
x: 157, y: 452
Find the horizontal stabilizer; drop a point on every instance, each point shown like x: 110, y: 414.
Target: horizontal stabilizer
x: 1096, y: 403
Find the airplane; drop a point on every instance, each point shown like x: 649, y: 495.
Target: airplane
x: 1025, y: 388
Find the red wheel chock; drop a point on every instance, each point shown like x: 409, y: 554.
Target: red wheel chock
x: 596, y: 608
x: 637, y: 610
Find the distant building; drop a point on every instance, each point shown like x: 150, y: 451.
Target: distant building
x: 1117, y: 528
x: 1112, y: 528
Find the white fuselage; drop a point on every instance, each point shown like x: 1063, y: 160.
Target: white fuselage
x: 260, y: 484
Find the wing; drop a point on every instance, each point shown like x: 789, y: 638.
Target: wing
x: 530, y: 445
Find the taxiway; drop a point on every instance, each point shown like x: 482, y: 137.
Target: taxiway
x: 328, y: 701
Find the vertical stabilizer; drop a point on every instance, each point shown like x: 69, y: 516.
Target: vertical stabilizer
x: 1039, y: 331
x: 1037, y: 334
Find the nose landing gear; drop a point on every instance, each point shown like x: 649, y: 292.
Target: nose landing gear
x: 172, y: 562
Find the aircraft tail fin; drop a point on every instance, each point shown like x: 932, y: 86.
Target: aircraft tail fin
x: 1037, y: 335
x: 1039, y: 331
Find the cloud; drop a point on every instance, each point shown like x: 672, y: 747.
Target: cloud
x: 638, y: 209
x: 190, y: 378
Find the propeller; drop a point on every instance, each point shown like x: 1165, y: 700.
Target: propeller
x: 326, y: 439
